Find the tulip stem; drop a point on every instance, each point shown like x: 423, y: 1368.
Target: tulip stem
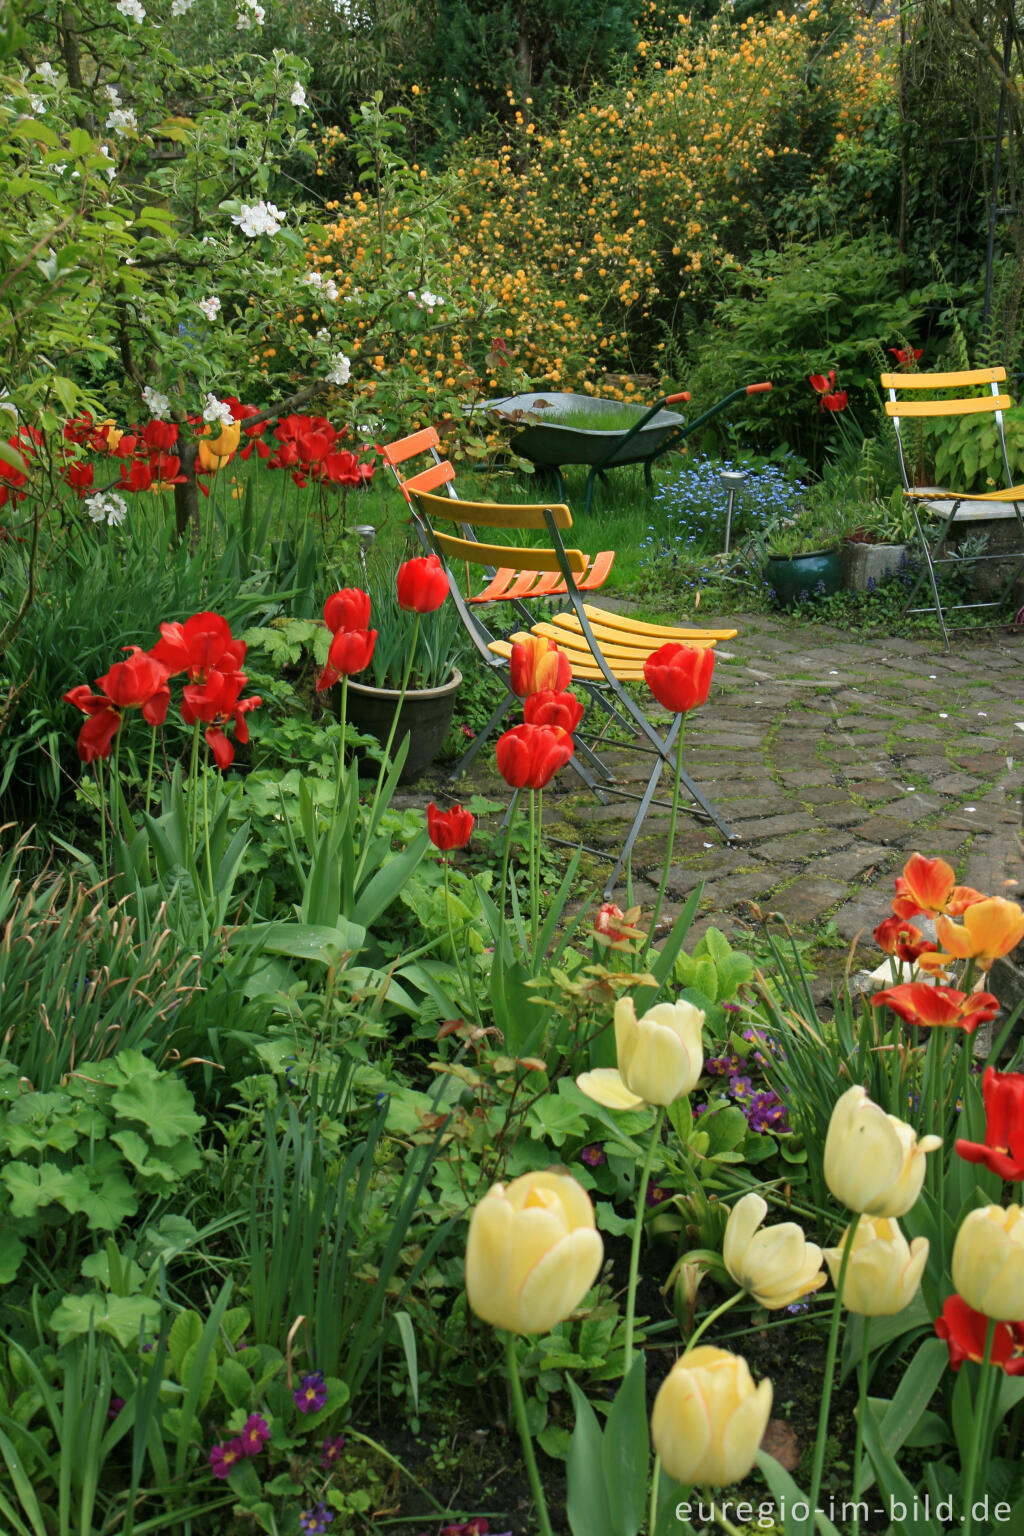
x: 979, y: 1428
x: 655, y: 1480
x: 862, y: 1405
x: 386, y: 760
x: 713, y: 1316
x: 638, y: 1227
x: 670, y: 847
x: 722, y: 1521
x: 524, y: 1435
x: 343, y: 711
x: 534, y: 875
x: 149, y: 774
x: 103, y: 816
x: 830, y: 1366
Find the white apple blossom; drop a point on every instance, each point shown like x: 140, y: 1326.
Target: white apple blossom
x: 258, y: 219
x: 157, y: 404
x: 133, y: 9
x: 298, y: 95
x: 323, y: 334
x: 107, y: 508
x: 341, y: 370
x: 217, y: 410
x: 210, y: 307
x: 123, y: 121
x: 113, y: 95
x: 48, y: 267
x: 180, y: 7
x: 47, y: 73
x: 112, y: 167
x: 37, y: 104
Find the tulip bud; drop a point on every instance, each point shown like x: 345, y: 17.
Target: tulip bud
x: 988, y: 1262
x: 533, y: 1252
x: 874, y: 1163
x: 776, y: 1266
x: 660, y: 1057
x: 884, y: 1270
x: 709, y: 1419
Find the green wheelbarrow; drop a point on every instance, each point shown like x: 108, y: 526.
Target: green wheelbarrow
x: 560, y: 429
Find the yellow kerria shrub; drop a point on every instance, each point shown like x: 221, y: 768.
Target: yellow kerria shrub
x: 587, y: 245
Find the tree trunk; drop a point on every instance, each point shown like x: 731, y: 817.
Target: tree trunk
x: 186, y: 498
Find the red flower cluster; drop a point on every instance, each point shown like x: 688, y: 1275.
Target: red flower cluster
x: 347, y: 616
x: 308, y: 447
x: 902, y: 939
x: 204, y: 649
x: 529, y: 755
x: 823, y: 384
x: 12, y: 480
x: 906, y: 357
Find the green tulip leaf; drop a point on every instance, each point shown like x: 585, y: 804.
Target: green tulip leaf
x: 586, y: 1499
x: 628, y: 1452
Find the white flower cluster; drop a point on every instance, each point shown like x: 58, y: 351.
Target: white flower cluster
x: 426, y: 300
x: 323, y: 334
x: 250, y: 14
x: 37, y: 104
x: 111, y: 168
x: 258, y: 219
x: 132, y: 8
x: 217, y: 410
x: 47, y: 73
x: 298, y: 95
x: 112, y: 94
x: 123, y: 121
x: 180, y: 7
x: 341, y: 370
x: 107, y: 508
x: 210, y: 307
x: 158, y: 405
x: 327, y: 285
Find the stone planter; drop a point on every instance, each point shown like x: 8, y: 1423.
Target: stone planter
x: 865, y: 564
x: 793, y: 578
x: 425, y: 718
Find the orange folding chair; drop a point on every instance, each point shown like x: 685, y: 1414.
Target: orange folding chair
x: 507, y: 583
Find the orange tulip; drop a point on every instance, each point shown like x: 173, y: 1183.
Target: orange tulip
x: 929, y: 886
x: 930, y: 1007
x: 990, y: 929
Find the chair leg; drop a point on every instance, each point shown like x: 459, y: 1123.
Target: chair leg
x: 641, y: 812
x: 467, y: 757
x: 930, y: 555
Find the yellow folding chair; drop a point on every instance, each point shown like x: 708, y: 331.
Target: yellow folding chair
x: 951, y: 395
x: 605, y: 649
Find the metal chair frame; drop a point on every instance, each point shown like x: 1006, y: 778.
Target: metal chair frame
x: 960, y: 405
x: 617, y: 648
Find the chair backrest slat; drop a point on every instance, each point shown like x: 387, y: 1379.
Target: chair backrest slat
x: 494, y: 554
x: 963, y: 380
x: 977, y: 406
x: 487, y: 514
x: 408, y: 447
x: 427, y: 479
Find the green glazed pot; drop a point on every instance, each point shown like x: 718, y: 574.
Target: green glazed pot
x: 796, y: 578
x: 425, y: 718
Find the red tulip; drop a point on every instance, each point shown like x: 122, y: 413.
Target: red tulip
x: 222, y: 749
x: 906, y: 358
x: 160, y: 435
x: 607, y: 920
x: 679, y: 676
x: 204, y: 642
x: 836, y: 402
x: 918, y: 1002
x: 422, y: 585
x: 965, y: 1331
x: 1003, y: 1150
x: 529, y: 756
x: 901, y: 939
x: 96, y: 736
x: 79, y: 476
x: 347, y: 609
x: 822, y: 382
x: 351, y: 650
x: 449, y: 829
x: 138, y: 683
x: 537, y: 666
x: 547, y: 707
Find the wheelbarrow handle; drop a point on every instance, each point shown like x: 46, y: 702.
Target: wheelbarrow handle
x: 684, y: 397
x: 758, y: 389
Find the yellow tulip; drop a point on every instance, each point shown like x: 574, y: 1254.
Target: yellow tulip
x: 213, y: 451
x: 775, y: 1266
x: 874, y: 1163
x: 660, y: 1057
x: 991, y: 928
x: 533, y: 1252
x: 988, y: 1262
x: 709, y: 1419
x: 884, y: 1270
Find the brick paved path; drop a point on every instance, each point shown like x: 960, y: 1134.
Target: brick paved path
x: 832, y: 759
